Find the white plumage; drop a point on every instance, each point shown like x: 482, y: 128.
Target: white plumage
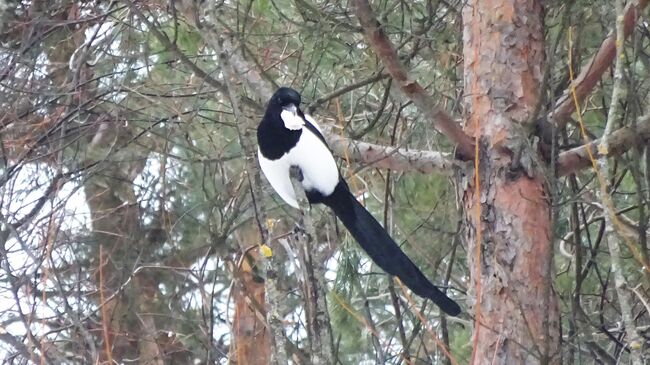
x: 314, y: 160
x: 292, y: 120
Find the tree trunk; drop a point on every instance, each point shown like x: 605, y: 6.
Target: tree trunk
x: 251, y: 337
x: 517, y: 309
x: 128, y: 329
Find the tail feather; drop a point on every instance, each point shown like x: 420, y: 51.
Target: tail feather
x: 382, y: 249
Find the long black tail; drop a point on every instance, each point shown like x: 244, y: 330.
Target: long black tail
x: 382, y: 249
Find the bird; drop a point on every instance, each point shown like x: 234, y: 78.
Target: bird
x: 288, y: 139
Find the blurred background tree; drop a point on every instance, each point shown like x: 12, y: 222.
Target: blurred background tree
x: 135, y: 228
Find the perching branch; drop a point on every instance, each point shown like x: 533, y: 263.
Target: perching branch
x: 392, y: 158
x: 318, y: 320
x: 386, y: 51
x: 404, y: 160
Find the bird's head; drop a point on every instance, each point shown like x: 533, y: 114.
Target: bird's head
x: 287, y: 99
x: 284, y: 108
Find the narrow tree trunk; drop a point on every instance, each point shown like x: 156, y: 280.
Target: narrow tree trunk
x: 504, y: 59
x: 149, y: 351
x: 118, y: 235
x: 252, y: 340
x: 313, y: 262
x: 112, y: 224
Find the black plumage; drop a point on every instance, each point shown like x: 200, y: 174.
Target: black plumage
x: 288, y: 138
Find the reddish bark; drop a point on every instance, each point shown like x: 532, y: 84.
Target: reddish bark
x: 504, y: 55
x: 252, y: 340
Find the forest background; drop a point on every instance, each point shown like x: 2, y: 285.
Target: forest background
x: 135, y: 226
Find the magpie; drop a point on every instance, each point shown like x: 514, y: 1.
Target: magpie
x: 287, y: 138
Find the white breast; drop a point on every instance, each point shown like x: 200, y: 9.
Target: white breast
x: 315, y: 161
x: 291, y: 120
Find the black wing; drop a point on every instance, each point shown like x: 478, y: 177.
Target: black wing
x: 312, y: 128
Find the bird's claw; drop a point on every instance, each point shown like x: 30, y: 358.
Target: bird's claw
x: 296, y: 173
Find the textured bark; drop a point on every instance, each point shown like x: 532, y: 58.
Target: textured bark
x: 252, y: 341
x: 615, y: 113
x: 504, y: 55
x: 149, y: 351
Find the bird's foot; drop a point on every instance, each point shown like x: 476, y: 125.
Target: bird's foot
x: 296, y: 173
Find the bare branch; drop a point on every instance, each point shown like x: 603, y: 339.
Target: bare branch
x: 594, y: 69
x: 347, y: 88
x: 392, y: 158
x: 619, y: 141
x: 412, y: 89
x: 16, y: 343
x: 315, y: 285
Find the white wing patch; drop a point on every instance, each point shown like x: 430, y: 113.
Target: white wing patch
x: 291, y: 120
x: 277, y: 173
x: 316, y: 163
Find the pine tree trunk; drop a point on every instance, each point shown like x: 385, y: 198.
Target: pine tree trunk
x: 504, y: 61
